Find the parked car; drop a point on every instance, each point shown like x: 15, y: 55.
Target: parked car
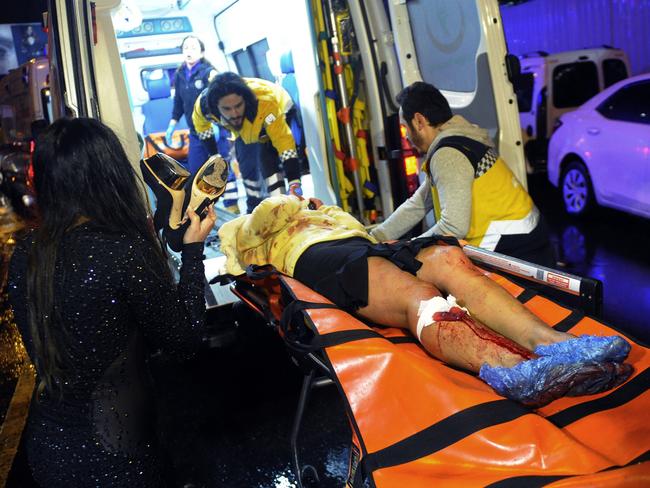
x: 600, y: 153
x: 553, y: 84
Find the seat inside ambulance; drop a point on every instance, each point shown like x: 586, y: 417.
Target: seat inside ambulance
x: 289, y: 83
x: 158, y: 110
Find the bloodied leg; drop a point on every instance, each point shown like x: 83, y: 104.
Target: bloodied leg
x: 451, y: 271
x: 514, y: 351
x: 395, y: 298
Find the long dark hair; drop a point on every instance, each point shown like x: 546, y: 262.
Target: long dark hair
x: 80, y: 172
x: 230, y: 83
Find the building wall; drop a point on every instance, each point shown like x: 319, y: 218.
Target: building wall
x: 564, y: 25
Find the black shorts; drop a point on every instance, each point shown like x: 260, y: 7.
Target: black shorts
x: 338, y: 270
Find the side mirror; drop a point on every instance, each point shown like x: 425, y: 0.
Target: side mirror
x: 513, y: 67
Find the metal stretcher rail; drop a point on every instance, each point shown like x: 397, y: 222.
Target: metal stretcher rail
x: 589, y: 291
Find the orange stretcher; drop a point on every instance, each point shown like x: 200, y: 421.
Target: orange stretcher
x: 417, y: 422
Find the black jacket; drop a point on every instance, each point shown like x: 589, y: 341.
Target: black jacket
x: 187, y: 90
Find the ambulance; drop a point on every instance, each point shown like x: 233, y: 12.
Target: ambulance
x: 103, y: 52
x: 24, y: 101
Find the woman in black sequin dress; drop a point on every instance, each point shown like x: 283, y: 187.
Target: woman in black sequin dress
x: 92, y: 293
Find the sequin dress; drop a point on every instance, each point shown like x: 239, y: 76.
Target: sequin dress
x: 115, y: 308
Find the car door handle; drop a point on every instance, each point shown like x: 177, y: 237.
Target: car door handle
x: 593, y: 131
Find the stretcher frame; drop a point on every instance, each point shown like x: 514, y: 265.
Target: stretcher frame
x: 253, y: 289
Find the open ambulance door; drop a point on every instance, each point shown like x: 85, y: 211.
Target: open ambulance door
x: 85, y: 72
x: 459, y: 46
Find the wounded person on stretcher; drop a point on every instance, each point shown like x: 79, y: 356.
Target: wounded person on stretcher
x: 414, y: 285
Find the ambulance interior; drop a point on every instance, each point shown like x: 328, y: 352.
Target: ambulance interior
x: 257, y: 39
x: 247, y: 37
x: 458, y: 46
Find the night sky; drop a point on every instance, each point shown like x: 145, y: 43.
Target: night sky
x: 17, y: 11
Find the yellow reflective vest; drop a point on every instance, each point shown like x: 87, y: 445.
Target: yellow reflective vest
x: 269, y: 123
x: 500, y: 205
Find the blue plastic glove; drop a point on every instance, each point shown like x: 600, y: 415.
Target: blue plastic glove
x: 580, y: 366
x: 295, y: 189
x: 170, y: 133
x: 589, y: 348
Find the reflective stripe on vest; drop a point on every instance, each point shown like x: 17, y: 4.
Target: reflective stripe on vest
x: 498, y: 228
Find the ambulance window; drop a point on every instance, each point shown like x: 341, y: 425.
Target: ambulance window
x: 447, y: 36
x: 614, y: 70
x: 523, y: 86
x: 251, y: 61
x: 574, y: 84
x: 629, y: 104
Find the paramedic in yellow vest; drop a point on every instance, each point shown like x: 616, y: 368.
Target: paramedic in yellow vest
x: 471, y: 190
x: 254, y: 110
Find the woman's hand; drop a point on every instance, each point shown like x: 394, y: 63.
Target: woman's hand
x: 199, y: 229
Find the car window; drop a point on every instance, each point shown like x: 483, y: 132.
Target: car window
x: 630, y: 104
x: 523, y: 86
x: 574, y: 83
x: 614, y: 70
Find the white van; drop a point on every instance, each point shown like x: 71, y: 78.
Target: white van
x: 457, y: 45
x: 24, y: 100
x: 552, y: 84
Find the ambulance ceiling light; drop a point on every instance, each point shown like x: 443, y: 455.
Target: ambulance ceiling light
x: 157, y: 8
x: 127, y: 17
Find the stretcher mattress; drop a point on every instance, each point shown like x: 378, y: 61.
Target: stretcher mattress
x: 417, y: 422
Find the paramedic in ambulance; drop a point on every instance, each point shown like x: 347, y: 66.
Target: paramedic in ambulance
x: 255, y: 111
x: 190, y: 79
x: 459, y: 315
x: 471, y: 190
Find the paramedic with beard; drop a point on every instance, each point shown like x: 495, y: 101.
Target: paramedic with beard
x: 254, y: 110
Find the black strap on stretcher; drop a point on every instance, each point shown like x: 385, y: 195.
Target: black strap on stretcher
x: 466, y: 422
x: 533, y: 481
x: 443, y: 434
x: 319, y: 342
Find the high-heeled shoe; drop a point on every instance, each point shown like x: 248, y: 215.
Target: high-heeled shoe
x: 176, y: 189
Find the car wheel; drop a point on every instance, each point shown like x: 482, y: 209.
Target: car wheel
x: 577, y: 192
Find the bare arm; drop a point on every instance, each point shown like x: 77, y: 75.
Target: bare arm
x: 406, y: 216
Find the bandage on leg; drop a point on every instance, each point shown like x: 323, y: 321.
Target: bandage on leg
x: 438, y: 309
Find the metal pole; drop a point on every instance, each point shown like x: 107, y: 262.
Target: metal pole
x: 345, y: 111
